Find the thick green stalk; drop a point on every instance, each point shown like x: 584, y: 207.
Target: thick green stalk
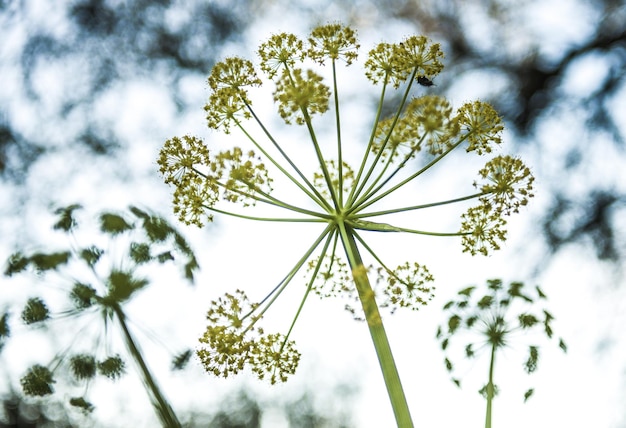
x: 377, y: 330
x: 164, y: 410
x: 490, y: 387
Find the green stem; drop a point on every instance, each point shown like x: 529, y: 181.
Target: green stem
x: 308, y: 288
x: 418, y: 207
x: 362, y: 204
x: 317, y: 197
x: 490, y: 387
x: 276, y: 291
x: 384, y: 144
x: 278, y: 219
x: 370, y: 143
x: 339, y: 151
x: 321, y: 160
x: 164, y: 410
x: 377, y: 330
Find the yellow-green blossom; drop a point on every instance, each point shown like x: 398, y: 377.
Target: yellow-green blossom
x: 333, y: 41
x: 482, y: 125
x: 483, y: 230
x: 299, y: 95
x: 280, y: 51
x: 509, y: 184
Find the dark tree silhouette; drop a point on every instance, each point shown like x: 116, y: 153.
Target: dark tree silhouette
x: 102, y: 45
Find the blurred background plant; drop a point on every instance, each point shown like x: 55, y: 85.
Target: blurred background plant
x: 485, y: 323
x: 99, y: 279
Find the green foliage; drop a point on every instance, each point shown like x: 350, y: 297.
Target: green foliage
x: 83, y: 296
x: 35, y: 311
x: 181, y: 360
x: 121, y: 286
x: 83, y: 366
x: 112, y: 367
x: 38, y: 381
x: 114, y: 224
x: 91, y: 255
x: 16, y: 264
x: 5, y: 329
x: 50, y: 261
x: 66, y: 221
x: 82, y: 404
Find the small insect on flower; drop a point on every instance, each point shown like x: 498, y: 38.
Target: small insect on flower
x: 424, y: 81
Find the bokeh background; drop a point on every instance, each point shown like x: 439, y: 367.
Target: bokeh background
x: 90, y: 90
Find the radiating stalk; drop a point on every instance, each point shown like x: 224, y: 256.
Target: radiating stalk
x: 377, y: 330
x: 490, y: 388
x: 163, y: 409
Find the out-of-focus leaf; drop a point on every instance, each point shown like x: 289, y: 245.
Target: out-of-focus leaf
x: 165, y: 256
x: 112, y: 368
x: 485, y: 302
x: 82, y: 404
x: 181, y: 360
x: 190, y: 268
x: 16, y: 264
x: 515, y: 291
x: 467, y: 291
x: 38, y: 381
x: 5, y: 331
x: 156, y: 227
x: 533, y: 357
x: 470, y: 321
x: 122, y: 285
x: 541, y: 295
x: 528, y: 394
x: 453, y: 323
x: 52, y: 261
x: 35, y: 311
x: 527, y: 320
x: 91, y: 255
x: 83, y: 366
x: 66, y: 220
x: 140, y: 252
x: 113, y: 224
x: 494, y: 284
x: 82, y: 295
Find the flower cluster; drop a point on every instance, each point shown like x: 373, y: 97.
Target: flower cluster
x: 415, y: 57
x: 231, y: 344
x: 200, y: 181
x: 407, y: 286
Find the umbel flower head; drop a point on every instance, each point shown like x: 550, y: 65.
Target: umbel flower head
x: 346, y: 196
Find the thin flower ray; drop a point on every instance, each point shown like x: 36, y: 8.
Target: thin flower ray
x: 271, y: 297
x: 309, y: 285
x: 311, y: 191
